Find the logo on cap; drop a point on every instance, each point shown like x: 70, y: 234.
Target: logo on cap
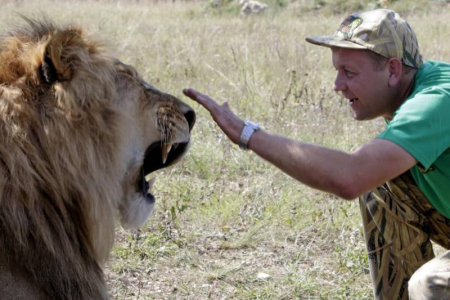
x: 349, y: 25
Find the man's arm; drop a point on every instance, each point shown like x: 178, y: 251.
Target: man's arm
x: 347, y: 175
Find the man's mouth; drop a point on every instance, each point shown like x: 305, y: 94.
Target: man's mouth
x: 352, y: 101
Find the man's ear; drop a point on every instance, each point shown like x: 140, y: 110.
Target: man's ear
x: 59, y: 55
x: 395, y: 69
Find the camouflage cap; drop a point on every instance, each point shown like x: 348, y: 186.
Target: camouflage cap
x: 380, y: 30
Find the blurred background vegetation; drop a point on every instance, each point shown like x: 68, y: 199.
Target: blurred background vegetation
x: 327, y: 7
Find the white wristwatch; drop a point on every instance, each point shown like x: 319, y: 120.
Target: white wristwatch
x: 246, y: 134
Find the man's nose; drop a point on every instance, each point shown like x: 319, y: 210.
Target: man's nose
x: 339, y: 85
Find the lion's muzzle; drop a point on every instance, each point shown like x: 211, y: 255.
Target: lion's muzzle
x: 173, y: 146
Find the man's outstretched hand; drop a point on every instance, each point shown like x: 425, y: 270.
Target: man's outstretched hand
x: 230, y: 124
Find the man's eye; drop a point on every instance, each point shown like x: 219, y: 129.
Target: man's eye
x: 349, y: 73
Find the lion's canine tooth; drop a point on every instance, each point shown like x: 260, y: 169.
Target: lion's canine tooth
x: 148, y: 177
x: 165, y: 152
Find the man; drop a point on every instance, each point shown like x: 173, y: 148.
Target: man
x: 406, y: 168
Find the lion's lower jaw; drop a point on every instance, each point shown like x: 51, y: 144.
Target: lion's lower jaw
x: 137, y: 213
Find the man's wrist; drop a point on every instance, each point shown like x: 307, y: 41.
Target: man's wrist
x: 249, y: 129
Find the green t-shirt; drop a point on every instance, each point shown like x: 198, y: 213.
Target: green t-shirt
x: 421, y: 126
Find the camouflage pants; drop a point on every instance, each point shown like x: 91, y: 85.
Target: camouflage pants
x: 398, y: 224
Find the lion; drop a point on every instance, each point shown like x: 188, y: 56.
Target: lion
x: 80, y: 132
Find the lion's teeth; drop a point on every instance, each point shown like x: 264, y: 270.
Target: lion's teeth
x: 148, y: 177
x: 150, y: 184
x: 165, y: 152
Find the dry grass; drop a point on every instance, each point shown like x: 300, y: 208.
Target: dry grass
x: 228, y: 225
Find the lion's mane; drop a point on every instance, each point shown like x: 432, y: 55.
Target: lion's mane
x: 59, y: 148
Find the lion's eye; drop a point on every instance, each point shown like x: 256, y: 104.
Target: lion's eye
x: 150, y: 88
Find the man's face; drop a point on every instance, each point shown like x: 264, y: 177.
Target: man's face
x: 363, y: 83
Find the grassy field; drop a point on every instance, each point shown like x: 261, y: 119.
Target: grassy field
x: 228, y: 225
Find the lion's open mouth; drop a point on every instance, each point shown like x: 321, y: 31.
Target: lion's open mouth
x: 158, y: 156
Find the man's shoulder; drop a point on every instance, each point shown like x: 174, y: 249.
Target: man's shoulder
x: 433, y: 65
x: 432, y: 79
x: 433, y: 72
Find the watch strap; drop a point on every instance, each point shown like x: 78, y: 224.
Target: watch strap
x: 247, y: 132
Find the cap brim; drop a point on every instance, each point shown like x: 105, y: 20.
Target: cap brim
x: 333, y: 41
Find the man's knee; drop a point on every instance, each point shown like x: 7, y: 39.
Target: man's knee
x: 415, y: 285
x: 429, y: 284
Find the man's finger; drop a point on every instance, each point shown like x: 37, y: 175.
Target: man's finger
x: 195, y: 95
x: 202, y: 99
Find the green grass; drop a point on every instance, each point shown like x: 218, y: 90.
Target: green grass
x: 223, y: 216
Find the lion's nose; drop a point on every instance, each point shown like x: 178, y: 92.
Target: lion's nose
x: 189, y: 114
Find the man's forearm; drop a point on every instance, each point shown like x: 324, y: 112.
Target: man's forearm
x: 316, y: 166
x: 347, y: 175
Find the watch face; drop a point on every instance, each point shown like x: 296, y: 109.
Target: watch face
x: 252, y: 124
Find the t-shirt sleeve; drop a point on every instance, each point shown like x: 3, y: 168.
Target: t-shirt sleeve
x: 421, y: 125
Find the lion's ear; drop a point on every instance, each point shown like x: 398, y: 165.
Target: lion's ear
x: 48, y: 70
x: 60, y: 55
